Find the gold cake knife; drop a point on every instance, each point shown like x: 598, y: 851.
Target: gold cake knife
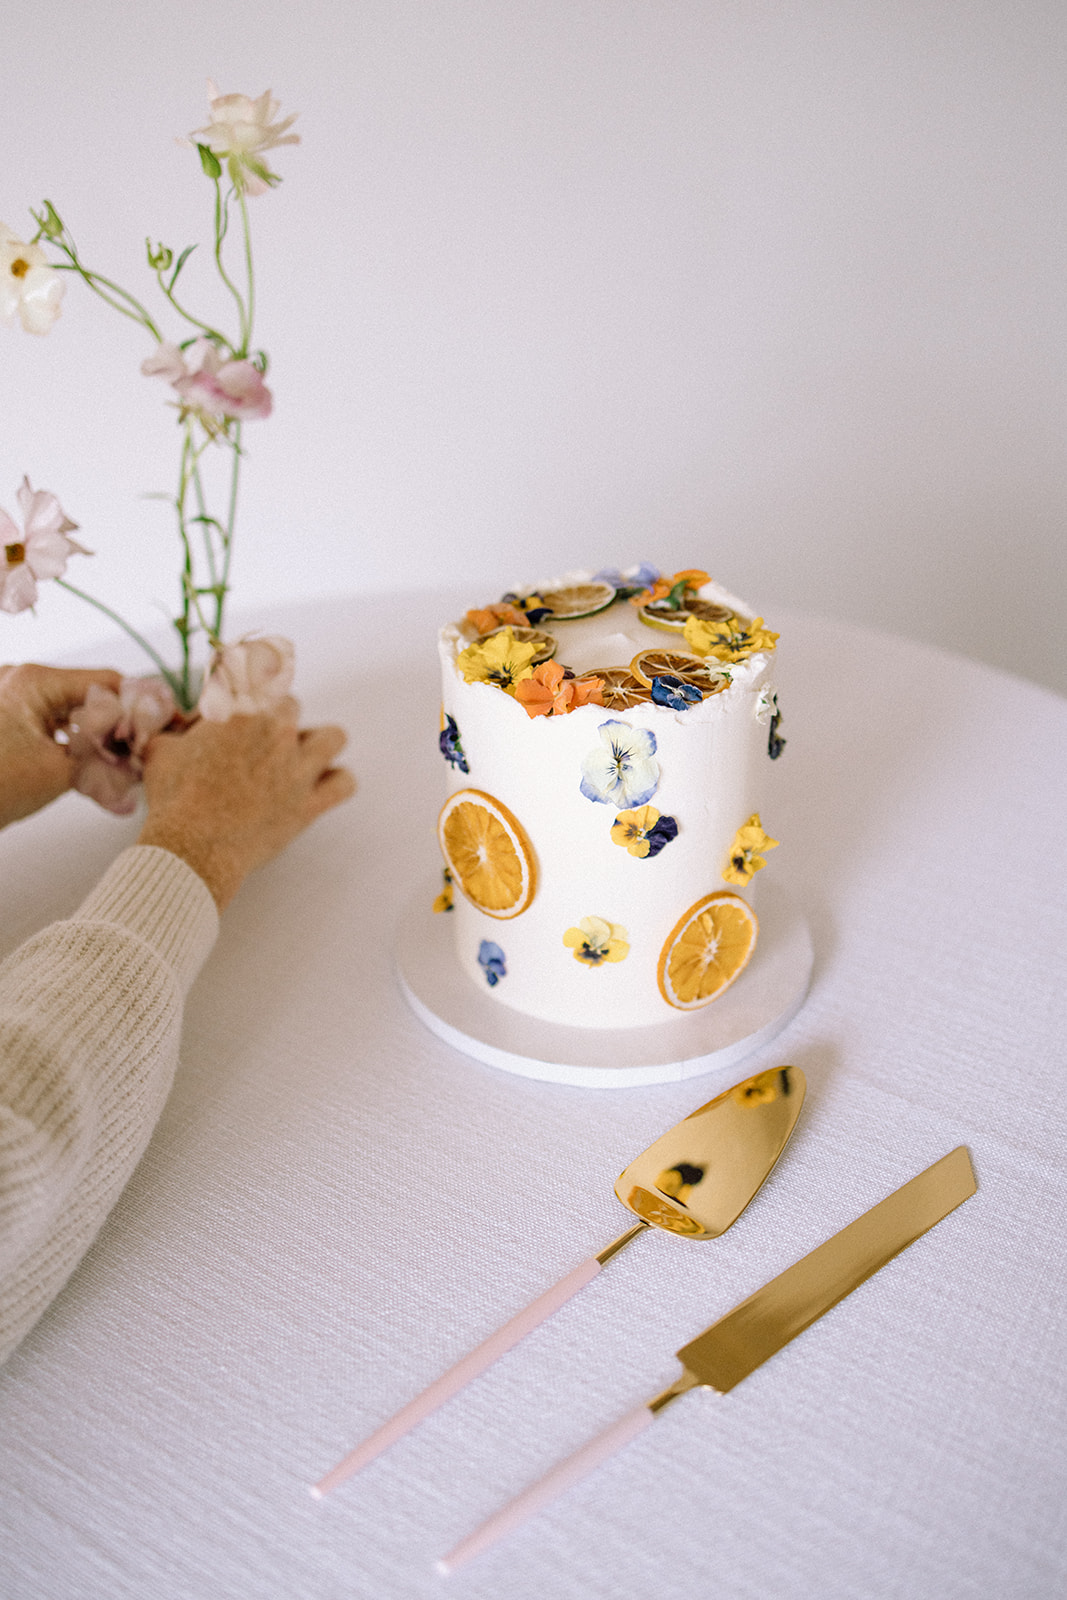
x: 755, y: 1330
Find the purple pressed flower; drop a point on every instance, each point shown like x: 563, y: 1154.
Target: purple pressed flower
x: 450, y: 746
x: 670, y: 691
x: 491, y: 960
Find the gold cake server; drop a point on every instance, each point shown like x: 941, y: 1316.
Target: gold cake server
x: 694, y: 1181
x: 757, y: 1328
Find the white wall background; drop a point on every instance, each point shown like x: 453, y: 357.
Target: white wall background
x: 771, y: 286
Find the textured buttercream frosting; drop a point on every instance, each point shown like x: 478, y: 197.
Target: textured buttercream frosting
x: 709, y: 763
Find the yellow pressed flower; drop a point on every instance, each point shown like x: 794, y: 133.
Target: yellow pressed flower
x: 501, y: 659
x: 727, y: 638
x: 745, y: 859
x: 444, y: 899
x: 631, y: 829
x: 595, y: 941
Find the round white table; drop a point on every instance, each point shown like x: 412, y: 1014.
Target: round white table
x: 336, y: 1205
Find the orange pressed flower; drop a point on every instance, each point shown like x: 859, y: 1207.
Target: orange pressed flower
x: 692, y: 577
x: 548, y: 693
x: 486, y: 618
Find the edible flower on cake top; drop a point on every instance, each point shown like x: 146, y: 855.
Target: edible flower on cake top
x: 673, y: 589
x: 728, y: 638
x: 501, y: 659
x: 745, y: 859
x: 549, y: 693
x: 486, y: 619
x: 672, y: 692
x: 622, y: 769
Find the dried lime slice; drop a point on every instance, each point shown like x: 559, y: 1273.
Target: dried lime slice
x: 578, y: 600
x: 705, y: 675
x: 620, y: 688
x: 544, y: 644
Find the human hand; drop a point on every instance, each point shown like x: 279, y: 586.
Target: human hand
x: 229, y: 796
x: 35, y: 701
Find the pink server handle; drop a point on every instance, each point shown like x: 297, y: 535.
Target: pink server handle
x: 539, y: 1495
x: 457, y: 1377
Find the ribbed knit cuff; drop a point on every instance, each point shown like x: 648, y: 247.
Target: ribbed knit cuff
x: 156, y: 896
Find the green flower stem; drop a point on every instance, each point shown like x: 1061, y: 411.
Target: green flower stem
x: 231, y: 519
x: 247, y: 231
x: 105, y: 288
x: 222, y: 222
x: 205, y: 327
x: 206, y: 522
x: 165, y: 672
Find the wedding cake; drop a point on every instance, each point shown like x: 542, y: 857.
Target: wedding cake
x: 607, y: 739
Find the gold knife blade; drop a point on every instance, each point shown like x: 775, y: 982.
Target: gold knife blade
x: 757, y: 1329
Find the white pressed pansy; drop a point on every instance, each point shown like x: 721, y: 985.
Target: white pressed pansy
x: 622, y: 770
x: 240, y: 131
x: 29, y: 288
x: 39, y: 549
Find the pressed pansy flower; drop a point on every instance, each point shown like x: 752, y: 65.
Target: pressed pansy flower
x: 491, y: 960
x: 501, y: 659
x: 745, y: 859
x: 484, y: 619
x: 450, y: 746
x: 643, y: 832
x: 728, y: 638
x: 673, y: 692
x: 550, y: 693
x: 532, y: 607
x: 768, y: 714
x: 595, y: 942
x: 630, y: 581
x: 622, y: 770
x: 29, y: 288
x: 444, y: 901
x: 39, y: 549
x: 240, y: 131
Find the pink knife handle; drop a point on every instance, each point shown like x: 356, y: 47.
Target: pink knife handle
x: 540, y: 1494
x: 457, y: 1377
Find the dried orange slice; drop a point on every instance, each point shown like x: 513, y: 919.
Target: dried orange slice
x: 621, y: 689
x: 706, y: 950
x: 703, y: 675
x: 577, y: 600
x: 487, y: 852
x: 543, y: 643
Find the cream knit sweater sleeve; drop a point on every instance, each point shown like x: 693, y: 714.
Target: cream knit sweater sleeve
x: 90, y: 1015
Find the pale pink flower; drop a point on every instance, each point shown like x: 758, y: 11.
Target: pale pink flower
x: 240, y: 131
x: 248, y: 677
x: 108, y: 737
x: 41, y: 549
x: 210, y: 385
x: 29, y: 288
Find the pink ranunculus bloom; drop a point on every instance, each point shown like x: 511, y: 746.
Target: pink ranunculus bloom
x: 240, y: 131
x: 210, y: 385
x: 248, y: 677
x: 109, y: 734
x: 30, y: 288
x: 39, y: 550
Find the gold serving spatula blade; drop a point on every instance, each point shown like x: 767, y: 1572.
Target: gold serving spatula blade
x: 755, y: 1330
x: 694, y: 1181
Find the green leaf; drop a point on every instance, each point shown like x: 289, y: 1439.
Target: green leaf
x: 182, y: 259
x: 209, y: 161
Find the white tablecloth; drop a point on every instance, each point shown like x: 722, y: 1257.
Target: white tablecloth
x: 336, y: 1205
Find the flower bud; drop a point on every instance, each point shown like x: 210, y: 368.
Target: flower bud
x: 160, y: 258
x: 50, y: 223
x: 210, y: 162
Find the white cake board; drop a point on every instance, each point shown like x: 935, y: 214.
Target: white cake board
x: 753, y: 1010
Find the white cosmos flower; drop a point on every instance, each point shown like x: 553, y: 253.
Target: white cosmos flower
x: 29, y: 288
x: 39, y: 549
x: 240, y: 131
x: 622, y: 770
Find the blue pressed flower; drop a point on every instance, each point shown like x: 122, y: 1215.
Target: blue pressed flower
x: 632, y: 581
x: 670, y: 691
x: 775, y: 743
x: 622, y: 771
x: 491, y: 960
x: 660, y: 833
x: 450, y: 745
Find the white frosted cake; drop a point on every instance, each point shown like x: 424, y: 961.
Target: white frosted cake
x: 607, y: 741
